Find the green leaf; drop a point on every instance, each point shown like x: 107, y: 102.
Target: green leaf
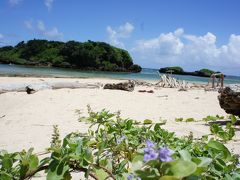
x: 220, y: 147
x: 178, y: 119
x: 57, y: 170
x: 44, y: 161
x: 185, y: 155
x: 190, y: 120
x: 121, y: 166
x: 219, y: 164
x: 181, y: 168
x: 204, y: 161
x: 157, y: 127
x: 100, y: 173
x: 147, y: 121
x: 33, y: 162
x: 5, y: 176
x: 137, y: 157
x: 228, y: 177
x: 233, y: 119
x: 148, y: 174
x: 215, y: 128
x: 88, y: 155
x: 168, y: 178
x: 7, y: 162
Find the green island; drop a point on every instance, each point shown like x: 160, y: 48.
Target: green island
x: 88, y: 55
x: 178, y: 70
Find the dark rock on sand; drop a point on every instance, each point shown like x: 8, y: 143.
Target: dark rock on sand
x: 229, y: 100
x: 125, y: 86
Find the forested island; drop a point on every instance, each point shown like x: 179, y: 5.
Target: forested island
x: 178, y: 70
x: 88, y: 55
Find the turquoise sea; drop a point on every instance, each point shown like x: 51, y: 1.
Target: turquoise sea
x: 146, y: 74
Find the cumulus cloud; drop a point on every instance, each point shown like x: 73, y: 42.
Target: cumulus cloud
x: 14, y: 2
x: 115, y: 35
x: 40, y: 28
x: 189, y: 51
x: 49, y: 33
x: 48, y: 4
x: 165, y: 44
x: 1, y: 36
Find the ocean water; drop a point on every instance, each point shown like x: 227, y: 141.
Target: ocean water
x: 146, y: 74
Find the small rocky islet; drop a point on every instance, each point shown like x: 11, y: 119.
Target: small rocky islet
x: 179, y: 71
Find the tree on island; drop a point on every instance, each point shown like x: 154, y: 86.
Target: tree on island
x: 178, y: 70
x: 88, y: 55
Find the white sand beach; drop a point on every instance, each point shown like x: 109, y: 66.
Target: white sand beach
x: 26, y: 120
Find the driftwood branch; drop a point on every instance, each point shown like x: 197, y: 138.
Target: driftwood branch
x: 171, y: 82
x: 34, y: 87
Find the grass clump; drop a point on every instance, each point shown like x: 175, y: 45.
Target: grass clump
x: 185, y: 120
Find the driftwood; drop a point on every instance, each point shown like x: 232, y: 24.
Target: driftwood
x: 229, y: 100
x: 142, y: 83
x: 125, y: 86
x: 34, y: 87
x: 74, y: 85
x: 170, y: 82
x: 223, y: 122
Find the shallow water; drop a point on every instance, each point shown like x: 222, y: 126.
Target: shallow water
x: 146, y: 74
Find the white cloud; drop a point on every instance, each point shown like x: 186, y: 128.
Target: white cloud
x: 49, y: 33
x: 115, y: 35
x: 48, y: 4
x: 179, y: 32
x: 14, y: 2
x: 112, y: 35
x: 125, y: 30
x: 28, y: 24
x: 40, y: 28
x: 3, y: 40
x: 165, y: 44
x: 189, y: 51
x: 53, y: 33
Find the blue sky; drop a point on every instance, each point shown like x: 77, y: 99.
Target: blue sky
x: 191, y: 33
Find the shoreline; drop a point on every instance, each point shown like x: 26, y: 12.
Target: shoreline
x: 110, y: 78
x: 146, y: 74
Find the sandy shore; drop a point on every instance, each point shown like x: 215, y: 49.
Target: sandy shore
x: 26, y: 120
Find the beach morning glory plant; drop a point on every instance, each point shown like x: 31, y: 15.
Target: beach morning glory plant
x: 151, y: 153
x: 115, y: 151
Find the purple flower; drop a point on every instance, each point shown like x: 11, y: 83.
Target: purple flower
x: 149, y: 152
x: 119, y: 141
x: 130, y: 176
x: 150, y: 144
x: 165, y: 154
